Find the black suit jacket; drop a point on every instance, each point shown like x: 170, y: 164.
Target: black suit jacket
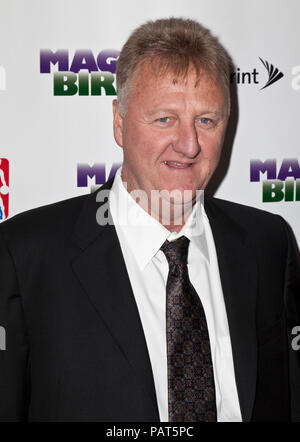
x: 75, y: 347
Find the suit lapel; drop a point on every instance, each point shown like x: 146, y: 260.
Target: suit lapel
x: 237, y: 267
x: 101, y: 270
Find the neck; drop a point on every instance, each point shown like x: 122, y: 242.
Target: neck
x: 173, y: 217
x: 170, y: 214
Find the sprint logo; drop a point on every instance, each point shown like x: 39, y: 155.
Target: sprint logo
x: 274, y: 73
x: 255, y: 77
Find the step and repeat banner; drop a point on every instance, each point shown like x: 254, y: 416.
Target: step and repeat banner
x: 57, y: 83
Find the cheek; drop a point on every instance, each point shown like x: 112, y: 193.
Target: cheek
x: 137, y: 153
x: 211, y: 148
x: 144, y: 145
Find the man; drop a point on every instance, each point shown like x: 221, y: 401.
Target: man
x: 149, y: 301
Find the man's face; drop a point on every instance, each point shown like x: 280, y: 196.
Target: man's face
x: 172, y: 132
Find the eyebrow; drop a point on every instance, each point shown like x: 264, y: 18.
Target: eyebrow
x: 206, y: 111
x: 163, y: 109
x: 209, y: 112
x: 212, y: 112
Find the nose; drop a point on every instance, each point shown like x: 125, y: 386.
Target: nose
x: 186, y: 141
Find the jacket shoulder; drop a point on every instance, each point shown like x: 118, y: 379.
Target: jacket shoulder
x: 46, y: 220
x: 250, y: 219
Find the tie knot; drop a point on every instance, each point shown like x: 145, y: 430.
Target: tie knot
x: 176, y: 251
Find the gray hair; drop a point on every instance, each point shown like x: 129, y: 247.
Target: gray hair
x: 174, y: 44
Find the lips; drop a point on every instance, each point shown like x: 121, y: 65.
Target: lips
x: 177, y: 165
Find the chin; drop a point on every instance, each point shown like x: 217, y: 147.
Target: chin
x: 177, y: 195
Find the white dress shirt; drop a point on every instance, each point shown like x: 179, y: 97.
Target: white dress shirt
x: 141, y: 237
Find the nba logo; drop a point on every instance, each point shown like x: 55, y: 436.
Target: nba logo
x: 4, y: 189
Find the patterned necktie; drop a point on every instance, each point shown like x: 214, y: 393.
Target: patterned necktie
x: 191, y: 388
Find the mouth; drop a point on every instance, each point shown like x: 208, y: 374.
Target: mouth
x: 177, y: 165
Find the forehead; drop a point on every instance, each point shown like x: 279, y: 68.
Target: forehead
x: 153, y: 84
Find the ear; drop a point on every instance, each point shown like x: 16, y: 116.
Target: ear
x: 118, y: 124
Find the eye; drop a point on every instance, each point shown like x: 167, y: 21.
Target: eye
x: 163, y: 120
x: 205, y: 120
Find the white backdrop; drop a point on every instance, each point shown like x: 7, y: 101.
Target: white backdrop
x: 45, y: 137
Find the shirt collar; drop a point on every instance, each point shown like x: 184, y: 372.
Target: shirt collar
x: 144, y: 234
